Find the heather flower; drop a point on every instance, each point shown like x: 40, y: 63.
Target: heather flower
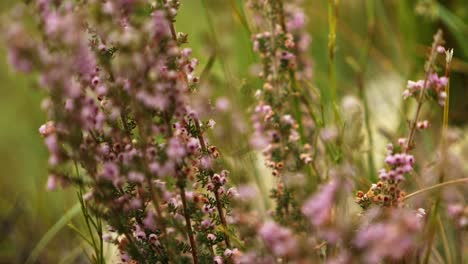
x: 218, y: 260
x: 319, y: 207
x: 222, y: 104
x: 211, y: 237
x: 423, y: 124
x: 123, y: 127
x: 280, y: 240
x: 434, y: 84
x: 440, y: 49
x: 387, y: 192
x: 398, y: 232
x: 127, y: 120
x: 459, y: 214
x: 52, y: 182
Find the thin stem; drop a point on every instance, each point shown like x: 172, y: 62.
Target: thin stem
x: 219, y: 204
x: 181, y: 186
x: 332, y: 22
x: 241, y: 16
x: 204, y: 149
x: 292, y: 79
x: 332, y: 48
x: 200, y: 135
x: 430, y: 62
x: 362, y: 90
x: 86, y: 217
x: 155, y: 201
x: 435, y: 187
x: 446, y: 105
x: 460, y: 247
x: 431, y: 230
x: 445, y: 242
x: 97, y: 250
x: 433, y: 218
x: 296, y: 103
x: 193, y: 245
x: 222, y: 218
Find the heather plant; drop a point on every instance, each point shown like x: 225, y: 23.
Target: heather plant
x: 125, y: 122
x: 130, y: 127
x: 281, y: 127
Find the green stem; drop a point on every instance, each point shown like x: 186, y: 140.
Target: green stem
x: 362, y: 90
x: 332, y: 22
x: 52, y: 232
x: 428, y: 69
x: 296, y: 104
x: 432, y: 220
x: 445, y: 242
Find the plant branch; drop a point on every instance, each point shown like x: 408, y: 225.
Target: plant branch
x: 435, y: 187
x: 428, y: 70
x: 193, y: 244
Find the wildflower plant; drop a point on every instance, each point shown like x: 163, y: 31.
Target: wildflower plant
x: 399, y: 163
x: 281, y: 127
x: 124, y: 128
x: 119, y: 79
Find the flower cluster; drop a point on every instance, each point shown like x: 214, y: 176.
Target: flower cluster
x: 318, y: 208
x: 276, y: 130
x: 124, y: 129
x: 459, y: 215
x: 398, y: 231
x: 435, y: 84
x: 118, y: 103
x: 387, y: 192
x: 280, y: 126
x: 280, y: 240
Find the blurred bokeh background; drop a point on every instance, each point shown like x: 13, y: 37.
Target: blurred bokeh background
x: 35, y: 222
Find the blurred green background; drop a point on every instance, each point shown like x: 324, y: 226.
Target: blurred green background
x: 403, y: 29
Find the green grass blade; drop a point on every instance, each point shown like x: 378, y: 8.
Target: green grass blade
x: 52, y: 232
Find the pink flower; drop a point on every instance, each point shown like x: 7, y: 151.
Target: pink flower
x: 423, y: 124
x: 318, y: 207
x: 398, y: 232
x: 211, y: 237
x: 440, y: 49
x: 414, y: 86
x: 223, y: 104
x: 297, y: 22
x: 52, y: 182
x: 193, y: 145
x: 175, y: 149
x: 279, y: 239
x: 218, y: 260
x: 110, y: 171
x: 454, y: 210
x: 149, y: 221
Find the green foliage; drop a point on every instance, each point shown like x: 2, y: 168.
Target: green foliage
x: 39, y: 216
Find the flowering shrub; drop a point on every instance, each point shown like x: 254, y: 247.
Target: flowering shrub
x: 124, y: 129
x: 118, y: 105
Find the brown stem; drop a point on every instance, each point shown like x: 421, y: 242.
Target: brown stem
x: 171, y: 24
x: 430, y: 61
x: 199, y: 134
x: 222, y: 218
x: 218, y: 201
x: 155, y: 201
x: 219, y: 205
x: 189, y: 225
x: 173, y: 32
